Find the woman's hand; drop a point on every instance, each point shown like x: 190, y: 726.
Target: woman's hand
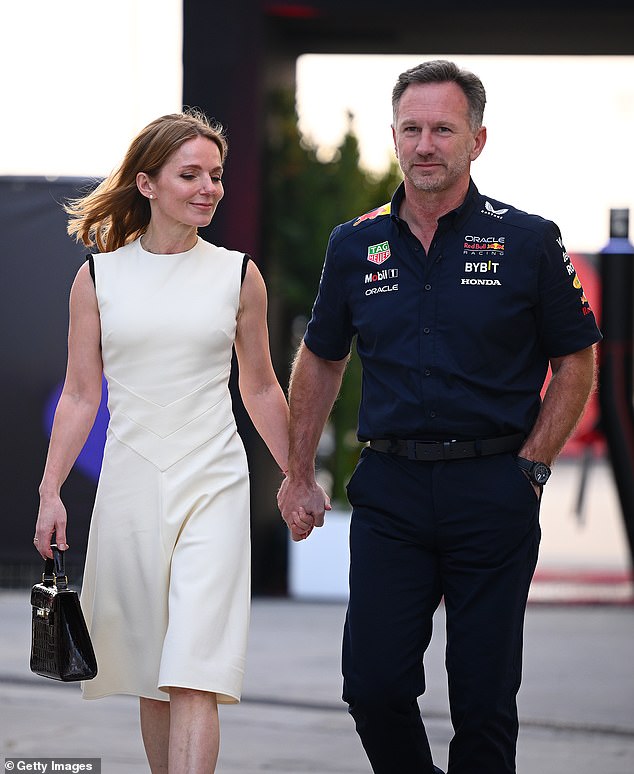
x: 51, y: 520
x: 302, y: 518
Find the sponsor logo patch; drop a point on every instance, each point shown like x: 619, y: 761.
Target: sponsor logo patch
x: 576, y: 282
x: 469, y: 281
x: 481, y: 267
x: 381, y: 289
x: 490, y: 210
x: 381, y: 276
x: 485, y: 271
x: 483, y: 245
x: 379, y: 253
x: 384, y: 209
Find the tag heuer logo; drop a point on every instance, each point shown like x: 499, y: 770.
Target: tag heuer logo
x: 379, y: 253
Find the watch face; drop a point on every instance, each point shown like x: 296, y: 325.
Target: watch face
x: 541, y: 473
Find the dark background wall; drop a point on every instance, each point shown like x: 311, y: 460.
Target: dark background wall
x: 38, y: 263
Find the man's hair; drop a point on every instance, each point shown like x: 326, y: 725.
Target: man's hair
x: 442, y: 71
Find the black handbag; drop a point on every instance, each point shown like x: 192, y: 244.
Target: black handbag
x: 60, y: 643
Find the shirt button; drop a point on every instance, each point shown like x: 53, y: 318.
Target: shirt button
x: 428, y: 286
x: 427, y: 372
x: 433, y: 414
x: 426, y: 331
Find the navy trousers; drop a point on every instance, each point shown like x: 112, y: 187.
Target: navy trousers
x: 463, y: 530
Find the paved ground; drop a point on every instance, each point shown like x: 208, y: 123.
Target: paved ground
x: 576, y: 705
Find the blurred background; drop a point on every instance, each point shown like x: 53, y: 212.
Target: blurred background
x: 304, y: 90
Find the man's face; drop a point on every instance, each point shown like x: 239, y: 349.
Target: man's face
x: 434, y: 142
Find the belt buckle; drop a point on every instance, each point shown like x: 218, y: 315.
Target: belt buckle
x: 433, y: 451
x: 416, y: 450
x: 412, y: 450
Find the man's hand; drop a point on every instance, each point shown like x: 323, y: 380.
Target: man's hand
x: 302, y: 506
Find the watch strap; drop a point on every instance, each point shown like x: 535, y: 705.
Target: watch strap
x: 529, y: 466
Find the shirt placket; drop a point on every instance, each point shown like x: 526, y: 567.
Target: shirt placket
x: 428, y: 334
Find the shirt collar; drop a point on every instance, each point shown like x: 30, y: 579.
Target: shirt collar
x: 454, y: 219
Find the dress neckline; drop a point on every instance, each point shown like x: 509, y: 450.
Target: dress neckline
x: 167, y: 255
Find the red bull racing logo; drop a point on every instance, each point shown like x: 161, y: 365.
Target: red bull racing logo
x: 385, y: 209
x: 482, y: 245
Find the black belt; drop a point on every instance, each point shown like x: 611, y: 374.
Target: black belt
x: 431, y: 451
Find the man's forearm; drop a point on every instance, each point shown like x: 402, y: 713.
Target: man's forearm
x: 313, y: 389
x: 564, y: 402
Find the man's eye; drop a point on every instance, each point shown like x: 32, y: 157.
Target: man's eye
x: 216, y: 179
x: 187, y: 176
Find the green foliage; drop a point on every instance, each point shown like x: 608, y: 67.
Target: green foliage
x: 305, y: 199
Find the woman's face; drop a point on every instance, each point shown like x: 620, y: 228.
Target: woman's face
x: 188, y: 187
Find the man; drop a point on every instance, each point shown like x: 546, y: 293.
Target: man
x: 459, y: 303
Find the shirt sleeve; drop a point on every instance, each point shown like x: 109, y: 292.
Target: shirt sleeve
x: 566, y: 322
x: 329, y: 332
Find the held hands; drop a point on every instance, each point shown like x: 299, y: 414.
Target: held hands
x: 51, y: 520
x: 301, y: 519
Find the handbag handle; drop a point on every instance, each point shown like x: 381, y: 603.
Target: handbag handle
x: 54, y: 570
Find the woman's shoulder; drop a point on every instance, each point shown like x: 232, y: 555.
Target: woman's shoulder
x: 120, y: 252
x: 217, y: 251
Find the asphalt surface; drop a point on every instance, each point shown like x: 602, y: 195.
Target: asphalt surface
x: 576, y: 703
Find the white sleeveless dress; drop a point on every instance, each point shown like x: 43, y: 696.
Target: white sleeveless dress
x: 166, y: 588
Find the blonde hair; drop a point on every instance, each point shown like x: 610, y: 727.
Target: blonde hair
x: 116, y: 213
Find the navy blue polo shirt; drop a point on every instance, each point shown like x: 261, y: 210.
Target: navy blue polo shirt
x: 454, y: 343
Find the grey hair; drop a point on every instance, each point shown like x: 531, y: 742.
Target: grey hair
x: 442, y: 71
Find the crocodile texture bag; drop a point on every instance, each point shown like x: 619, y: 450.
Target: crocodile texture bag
x: 60, y: 644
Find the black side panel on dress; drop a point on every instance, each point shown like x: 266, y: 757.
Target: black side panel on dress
x: 245, y: 261
x: 91, y: 268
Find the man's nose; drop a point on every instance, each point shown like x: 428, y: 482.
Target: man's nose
x: 425, y: 144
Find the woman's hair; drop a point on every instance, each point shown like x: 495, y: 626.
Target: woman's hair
x: 115, y: 212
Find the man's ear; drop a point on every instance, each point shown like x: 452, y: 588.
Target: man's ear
x: 479, y: 142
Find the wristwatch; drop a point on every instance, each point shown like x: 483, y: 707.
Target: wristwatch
x: 537, y: 472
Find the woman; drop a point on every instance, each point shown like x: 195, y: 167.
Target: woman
x: 166, y: 586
